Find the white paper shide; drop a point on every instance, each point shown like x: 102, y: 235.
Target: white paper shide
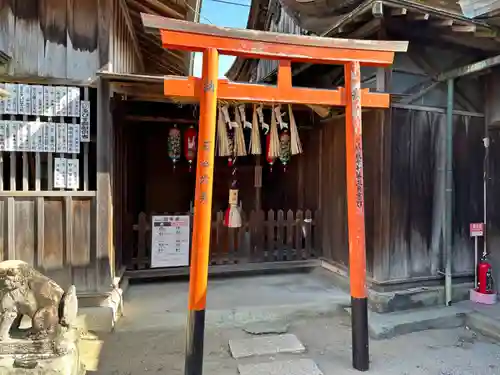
x: 170, y: 241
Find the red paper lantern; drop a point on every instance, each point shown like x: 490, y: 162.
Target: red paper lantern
x: 190, y: 145
x: 174, y: 144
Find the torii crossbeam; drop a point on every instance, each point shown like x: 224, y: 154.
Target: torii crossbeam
x: 212, y: 41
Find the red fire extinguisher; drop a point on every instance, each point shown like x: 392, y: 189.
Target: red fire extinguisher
x: 484, y: 276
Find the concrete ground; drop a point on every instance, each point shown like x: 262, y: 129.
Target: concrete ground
x: 150, y: 339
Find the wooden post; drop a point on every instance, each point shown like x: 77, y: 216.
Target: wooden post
x: 104, y: 268
x: 202, y: 221
x: 356, y: 217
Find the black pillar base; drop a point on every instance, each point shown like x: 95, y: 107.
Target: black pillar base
x: 359, y: 322
x: 194, y: 343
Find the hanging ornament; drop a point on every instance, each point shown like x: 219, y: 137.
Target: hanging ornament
x: 272, y: 141
x: 223, y: 147
x: 232, y: 216
x: 285, y: 152
x: 190, y: 145
x: 230, y: 133
x: 260, y: 115
x: 239, y: 137
x: 296, y: 145
x: 255, y: 146
x: 174, y: 144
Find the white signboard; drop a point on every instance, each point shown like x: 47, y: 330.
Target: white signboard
x: 73, y: 102
x: 73, y: 138
x: 23, y: 136
x: 61, y: 137
x: 37, y: 100
x: 59, y: 173
x: 3, y: 125
x: 49, y: 137
x: 2, y: 101
x: 85, y: 121
x: 11, y: 136
x: 11, y: 102
x: 170, y: 241
x: 72, y: 169
x: 49, y: 101
x: 24, y: 99
x: 61, y: 101
x: 36, y: 136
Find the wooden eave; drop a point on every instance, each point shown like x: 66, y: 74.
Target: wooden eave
x: 407, y: 18
x: 156, y: 59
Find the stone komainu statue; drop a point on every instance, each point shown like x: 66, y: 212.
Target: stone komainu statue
x: 25, y: 291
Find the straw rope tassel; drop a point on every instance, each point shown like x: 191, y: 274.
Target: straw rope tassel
x: 239, y: 136
x: 296, y: 145
x: 222, y: 137
x: 255, y: 146
x: 274, y: 141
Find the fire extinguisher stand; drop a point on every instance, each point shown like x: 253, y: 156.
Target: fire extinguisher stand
x: 482, y: 292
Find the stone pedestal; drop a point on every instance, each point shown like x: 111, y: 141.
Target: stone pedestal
x: 52, y: 356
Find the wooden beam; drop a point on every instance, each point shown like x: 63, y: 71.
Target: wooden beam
x: 154, y: 23
x: 137, y: 118
x: 470, y: 69
x: 163, y: 8
x: 443, y: 22
x: 464, y: 28
x: 144, y: 9
x: 132, y: 32
x: 104, y: 156
x: 378, y: 9
x: 420, y: 16
x: 190, y: 87
x: 399, y: 12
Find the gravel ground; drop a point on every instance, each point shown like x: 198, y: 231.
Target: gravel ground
x: 437, y: 352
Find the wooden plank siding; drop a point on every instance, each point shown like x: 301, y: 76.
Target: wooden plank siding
x: 65, y: 39
x: 404, y: 185
x: 52, y: 233
x: 278, y: 21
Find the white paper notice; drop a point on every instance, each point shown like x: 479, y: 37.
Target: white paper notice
x: 23, y: 136
x: 49, y: 101
x: 73, y: 101
x: 11, y: 102
x: 61, y: 101
x: 49, y: 137
x: 170, y: 241
x: 37, y: 100
x: 2, y: 101
x: 61, y: 137
x: 11, y: 135
x: 73, y: 138
x: 36, y: 136
x: 3, y: 125
x: 24, y: 99
x: 85, y: 121
x: 59, y: 173
x: 72, y: 172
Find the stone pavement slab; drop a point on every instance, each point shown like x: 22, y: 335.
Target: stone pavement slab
x: 291, y: 367
x: 265, y: 345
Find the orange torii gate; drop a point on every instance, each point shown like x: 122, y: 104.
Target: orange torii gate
x: 212, y: 41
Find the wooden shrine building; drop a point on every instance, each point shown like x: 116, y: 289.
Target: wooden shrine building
x: 404, y: 147
x: 60, y: 155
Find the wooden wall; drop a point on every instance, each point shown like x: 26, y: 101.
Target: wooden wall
x: 54, y: 234
x: 123, y: 56
x: 404, y: 191
x: 332, y: 187
x: 64, y: 39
